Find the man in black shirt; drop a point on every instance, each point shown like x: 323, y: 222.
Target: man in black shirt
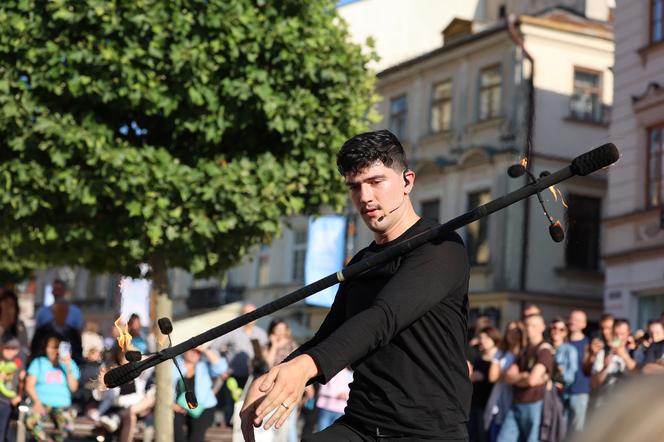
x: 401, y: 326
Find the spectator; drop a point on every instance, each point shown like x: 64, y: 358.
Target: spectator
x: 236, y: 346
x: 500, y: 401
x: 473, y: 347
x: 281, y: 345
x: 11, y: 374
x: 565, y: 355
x: 489, y: 339
x: 600, y: 342
x: 576, y: 395
x: 613, y: 363
x: 52, y: 377
x: 281, y: 342
x: 528, y: 375
x: 332, y: 398
x: 120, y: 406
x: 46, y: 314
x: 199, y: 366
x: 59, y: 326
x: 653, y: 358
x: 91, y: 339
x: 10, y: 324
x: 138, y: 340
x: 93, y: 349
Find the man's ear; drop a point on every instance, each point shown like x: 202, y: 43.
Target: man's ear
x: 409, y: 179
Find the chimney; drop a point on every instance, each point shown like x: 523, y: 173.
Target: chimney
x: 457, y: 29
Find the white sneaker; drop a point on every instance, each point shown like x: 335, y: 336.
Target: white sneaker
x: 110, y: 423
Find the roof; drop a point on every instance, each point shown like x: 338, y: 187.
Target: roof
x: 558, y: 18
x: 566, y: 20
x: 461, y: 41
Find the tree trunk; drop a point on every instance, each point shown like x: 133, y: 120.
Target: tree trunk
x: 163, y: 421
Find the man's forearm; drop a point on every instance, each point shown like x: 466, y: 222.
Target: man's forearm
x: 307, y: 365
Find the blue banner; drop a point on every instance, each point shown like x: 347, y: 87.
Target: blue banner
x: 326, y: 244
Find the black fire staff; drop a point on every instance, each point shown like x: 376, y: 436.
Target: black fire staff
x: 582, y: 165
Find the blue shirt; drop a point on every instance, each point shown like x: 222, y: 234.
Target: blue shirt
x: 581, y: 382
x: 52, y: 387
x: 567, y: 360
x: 204, y: 375
x: 74, y: 317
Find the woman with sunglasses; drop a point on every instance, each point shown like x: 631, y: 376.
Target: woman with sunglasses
x: 566, y: 355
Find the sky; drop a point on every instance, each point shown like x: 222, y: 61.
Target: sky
x: 345, y: 2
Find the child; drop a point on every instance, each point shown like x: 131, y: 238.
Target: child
x: 52, y: 378
x: 11, y: 373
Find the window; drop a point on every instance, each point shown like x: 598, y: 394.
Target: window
x: 263, y: 273
x: 656, y: 21
x: 586, y: 102
x: 431, y: 209
x: 583, y: 221
x: 491, y: 80
x: 398, y: 114
x: 654, y: 178
x: 299, y: 253
x: 441, y: 107
x: 650, y: 307
x: 477, y: 241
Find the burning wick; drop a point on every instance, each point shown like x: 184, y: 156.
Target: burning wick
x: 124, y: 341
x: 124, y: 338
x: 555, y: 192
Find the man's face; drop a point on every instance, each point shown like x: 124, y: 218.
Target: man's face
x: 378, y: 193
x: 535, y: 328
x: 577, y: 321
x: 656, y: 331
x: 58, y: 290
x: 621, y: 331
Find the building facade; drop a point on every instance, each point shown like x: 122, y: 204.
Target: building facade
x: 634, y: 222
x: 462, y: 109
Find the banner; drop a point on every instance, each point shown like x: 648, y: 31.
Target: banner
x: 326, y: 244
x: 135, y: 299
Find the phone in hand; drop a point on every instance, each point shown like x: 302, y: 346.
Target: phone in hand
x: 64, y: 350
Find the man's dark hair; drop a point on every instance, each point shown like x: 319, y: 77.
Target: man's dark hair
x: 60, y: 281
x: 365, y: 149
x: 606, y: 317
x: 621, y: 321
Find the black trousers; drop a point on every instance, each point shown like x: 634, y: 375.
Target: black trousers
x: 188, y: 429
x: 344, y: 431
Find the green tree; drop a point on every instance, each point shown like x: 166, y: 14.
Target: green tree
x: 176, y: 132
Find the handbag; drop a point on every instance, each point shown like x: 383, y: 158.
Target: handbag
x: 182, y: 402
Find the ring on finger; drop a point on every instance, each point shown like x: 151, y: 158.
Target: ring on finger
x: 283, y: 404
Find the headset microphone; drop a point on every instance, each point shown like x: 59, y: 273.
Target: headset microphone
x: 393, y: 210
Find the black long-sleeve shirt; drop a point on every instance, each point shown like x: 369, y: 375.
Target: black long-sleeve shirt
x: 402, y: 328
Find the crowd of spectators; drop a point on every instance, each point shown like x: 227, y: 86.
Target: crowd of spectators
x: 541, y: 379
x: 57, y: 373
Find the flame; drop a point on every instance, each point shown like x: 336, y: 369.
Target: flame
x: 555, y: 192
x: 524, y: 162
x: 124, y: 340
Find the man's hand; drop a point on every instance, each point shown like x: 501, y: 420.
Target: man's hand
x: 277, y: 392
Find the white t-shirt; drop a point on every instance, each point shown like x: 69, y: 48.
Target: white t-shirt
x: 615, y: 371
